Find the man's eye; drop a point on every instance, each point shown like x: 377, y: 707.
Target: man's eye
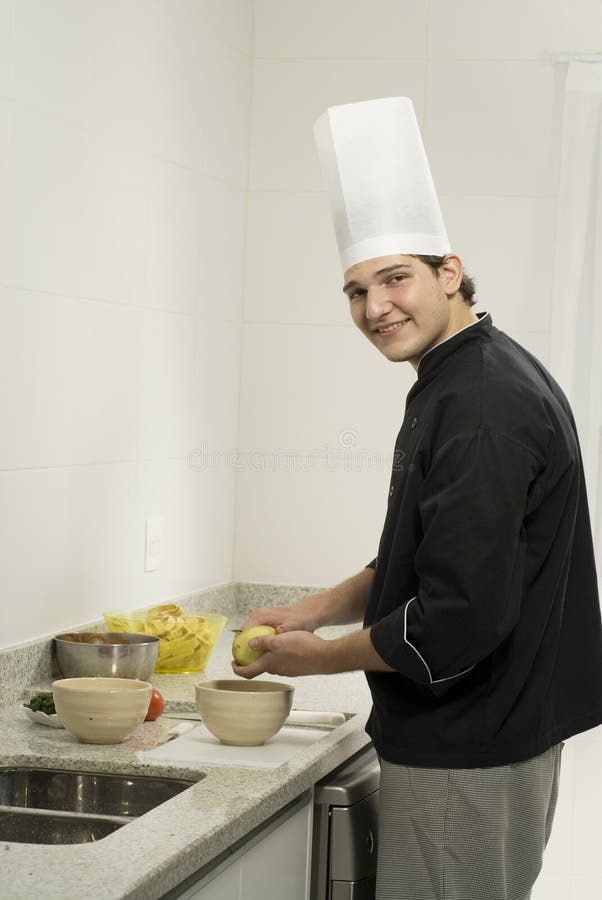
x: 395, y: 279
x: 357, y: 294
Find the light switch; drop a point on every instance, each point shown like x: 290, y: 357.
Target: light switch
x: 154, y: 541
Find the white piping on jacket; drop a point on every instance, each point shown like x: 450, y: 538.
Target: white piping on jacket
x: 419, y: 654
x: 481, y: 318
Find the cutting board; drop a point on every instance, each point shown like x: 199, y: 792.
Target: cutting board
x: 200, y: 746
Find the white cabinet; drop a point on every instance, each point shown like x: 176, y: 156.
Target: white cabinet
x: 224, y: 886
x: 279, y: 864
x: 275, y: 861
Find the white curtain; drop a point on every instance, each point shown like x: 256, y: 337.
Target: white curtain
x: 576, y: 327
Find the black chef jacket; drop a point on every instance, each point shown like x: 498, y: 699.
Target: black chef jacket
x: 484, y: 597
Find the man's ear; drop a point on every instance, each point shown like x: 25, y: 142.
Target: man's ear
x: 450, y: 274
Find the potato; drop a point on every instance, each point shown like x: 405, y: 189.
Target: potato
x: 242, y: 653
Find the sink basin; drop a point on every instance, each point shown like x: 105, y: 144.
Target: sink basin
x: 94, y: 793
x: 54, y: 806
x: 32, y: 827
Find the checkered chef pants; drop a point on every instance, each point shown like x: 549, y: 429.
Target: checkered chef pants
x: 465, y: 834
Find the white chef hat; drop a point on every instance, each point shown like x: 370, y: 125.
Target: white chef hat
x: 378, y: 178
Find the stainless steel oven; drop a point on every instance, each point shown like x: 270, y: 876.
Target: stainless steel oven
x: 345, y: 830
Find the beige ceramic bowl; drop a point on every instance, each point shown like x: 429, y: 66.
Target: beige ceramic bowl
x: 101, y: 710
x: 244, y: 713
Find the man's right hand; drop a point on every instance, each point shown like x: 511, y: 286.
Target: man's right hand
x: 341, y: 605
x: 282, y: 618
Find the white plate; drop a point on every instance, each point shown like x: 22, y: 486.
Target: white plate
x: 42, y: 718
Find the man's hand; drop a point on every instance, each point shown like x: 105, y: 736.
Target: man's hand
x: 300, y: 653
x: 289, y: 654
x: 341, y: 605
x: 282, y: 618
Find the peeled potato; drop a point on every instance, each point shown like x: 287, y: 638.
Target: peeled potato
x: 242, y: 653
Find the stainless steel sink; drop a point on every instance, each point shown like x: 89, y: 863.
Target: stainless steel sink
x: 94, y: 793
x: 34, y: 827
x: 54, y: 806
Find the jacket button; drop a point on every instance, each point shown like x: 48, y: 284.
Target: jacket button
x: 414, y: 422
x: 391, y: 491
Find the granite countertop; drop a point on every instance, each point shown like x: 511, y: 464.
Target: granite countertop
x: 151, y: 855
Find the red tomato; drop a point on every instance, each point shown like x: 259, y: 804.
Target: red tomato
x: 155, y: 707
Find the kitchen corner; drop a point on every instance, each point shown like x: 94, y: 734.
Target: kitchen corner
x: 150, y: 856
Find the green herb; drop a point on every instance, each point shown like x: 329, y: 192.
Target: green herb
x: 42, y: 702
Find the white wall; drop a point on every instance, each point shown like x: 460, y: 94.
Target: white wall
x: 123, y: 166
x: 488, y: 98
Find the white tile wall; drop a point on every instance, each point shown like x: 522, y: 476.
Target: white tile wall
x: 231, y: 21
x: 216, y: 387
x: 74, y: 212
x: 73, y: 539
x: 552, y: 887
x: 128, y: 70
x: 571, y: 869
x: 588, y: 802
x: 174, y: 236
x: 224, y: 121
x: 69, y: 546
x: 520, y: 29
x: 324, y: 528
x: 337, y: 29
x: 292, y: 264
x: 492, y: 127
x: 123, y: 166
x: 5, y: 45
x: 136, y: 72
x: 583, y: 888
x: 5, y: 132
x: 97, y: 516
x: 165, y: 384
x: 507, y: 244
x: 312, y: 487
x: 357, y: 396
x: 122, y: 386
x: 222, y: 250
x: 60, y: 61
x: 69, y: 381
x: 198, y: 512
x: 288, y: 97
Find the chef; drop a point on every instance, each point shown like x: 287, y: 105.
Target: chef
x: 481, y: 637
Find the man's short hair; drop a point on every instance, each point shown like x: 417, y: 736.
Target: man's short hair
x: 467, y: 286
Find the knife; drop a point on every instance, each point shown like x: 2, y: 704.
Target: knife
x: 181, y: 714
x: 300, y: 718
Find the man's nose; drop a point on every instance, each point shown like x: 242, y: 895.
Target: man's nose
x: 377, y: 302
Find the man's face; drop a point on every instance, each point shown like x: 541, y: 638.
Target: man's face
x: 402, y: 307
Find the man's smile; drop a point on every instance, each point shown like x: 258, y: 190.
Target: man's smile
x: 392, y: 326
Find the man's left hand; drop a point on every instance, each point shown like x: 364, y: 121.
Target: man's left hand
x: 290, y: 653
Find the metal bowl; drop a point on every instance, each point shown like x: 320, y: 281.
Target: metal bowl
x: 112, y: 654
